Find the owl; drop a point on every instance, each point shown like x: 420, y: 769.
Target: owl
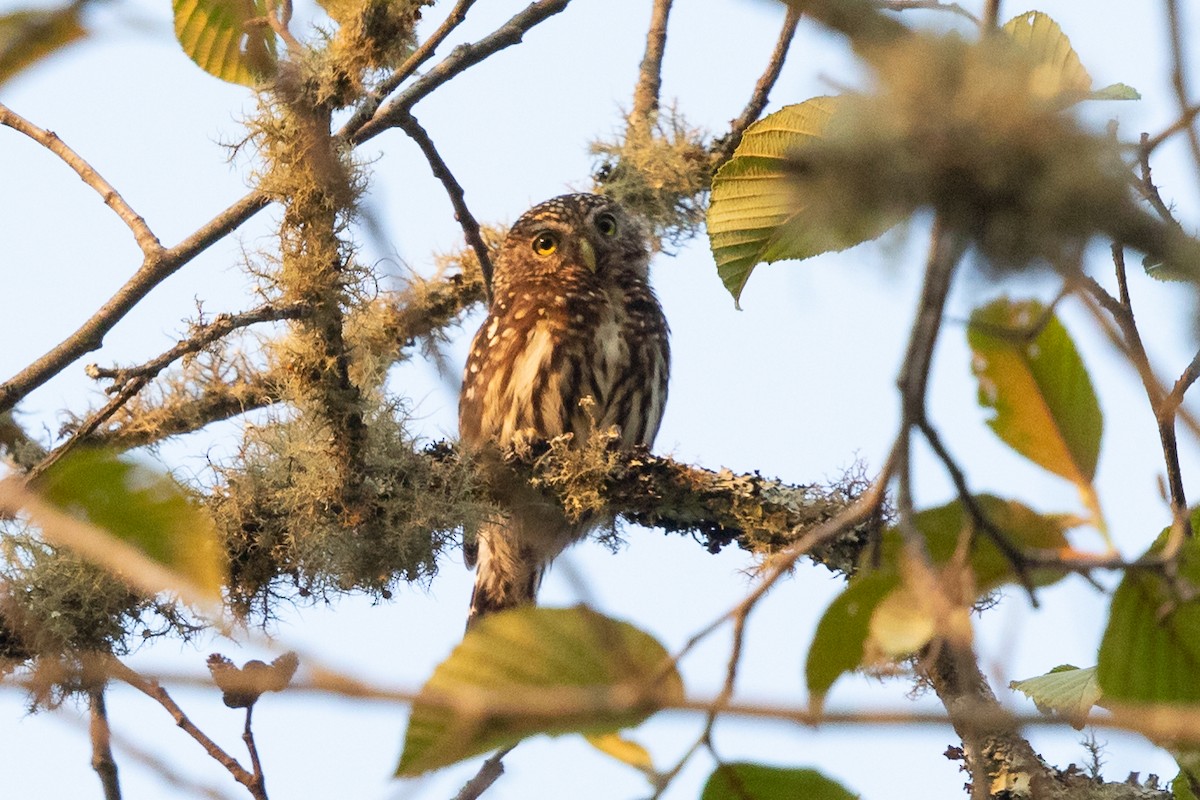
x: 575, y: 341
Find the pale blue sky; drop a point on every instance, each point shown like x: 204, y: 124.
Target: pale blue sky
x: 798, y: 385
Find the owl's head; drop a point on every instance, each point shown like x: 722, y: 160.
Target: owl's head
x: 576, y: 237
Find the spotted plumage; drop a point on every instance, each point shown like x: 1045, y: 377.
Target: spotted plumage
x: 575, y: 341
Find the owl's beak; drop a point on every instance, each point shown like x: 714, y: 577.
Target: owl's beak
x: 589, y: 254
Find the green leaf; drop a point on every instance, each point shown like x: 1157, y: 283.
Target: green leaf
x: 30, y: 35
x: 1116, y: 91
x: 837, y: 646
x: 1060, y: 69
x: 1066, y: 690
x: 755, y: 215
x: 943, y: 527
x: 1181, y: 787
x: 1037, y: 386
x: 227, y: 38
x: 1151, y: 647
x: 744, y: 781
x: 536, y: 670
x: 141, y: 507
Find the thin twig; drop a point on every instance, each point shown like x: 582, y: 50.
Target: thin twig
x: 1144, y: 183
x: 409, y: 124
x: 419, y: 56
x: 259, y: 789
x: 155, y: 691
x: 153, y: 271
x: 489, y: 772
x: 991, y: 15
x: 645, y: 93
x: 1179, y: 76
x: 461, y: 58
x: 762, y: 89
x: 101, y: 736
x: 146, y: 240
x: 1150, y: 143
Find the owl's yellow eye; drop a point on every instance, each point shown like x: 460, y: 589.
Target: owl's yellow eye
x: 607, y: 224
x: 545, y: 243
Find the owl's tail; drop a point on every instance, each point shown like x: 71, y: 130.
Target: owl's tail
x: 506, y: 576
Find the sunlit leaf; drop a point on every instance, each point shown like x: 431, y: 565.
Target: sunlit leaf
x: 227, y: 38
x: 943, y: 528
x: 141, y: 507
x: 743, y: 781
x: 755, y: 215
x: 1066, y: 690
x: 1060, y: 71
x: 30, y: 35
x: 1037, y: 386
x: 536, y: 670
x: 622, y: 749
x: 1151, y: 648
x: 1116, y: 91
x: 901, y: 624
x: 837, y: 646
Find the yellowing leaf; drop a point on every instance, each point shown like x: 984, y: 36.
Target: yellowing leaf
x: 227, y: 38
x: 1038, y: 388
x: 755, y: 215
x: 742, y: 781
x: 1060, y: 71
x: 622, y: 749
x: 901, y: 624
x: 1066, y: 690
x: 30, y: 35
x: 142, y: 508
x: 536, y: 670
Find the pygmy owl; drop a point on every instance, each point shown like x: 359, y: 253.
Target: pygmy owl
x: 574, y: 341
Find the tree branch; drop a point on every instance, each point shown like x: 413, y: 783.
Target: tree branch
x: 409, y: 124
x: 101, y: 736
x: 489, y: 772
x: 153, y: 271
x: 461, y: 58
x: 758, y: 99
x: 1179, y: 76
x: 145, y: 237
x: 645, y: 93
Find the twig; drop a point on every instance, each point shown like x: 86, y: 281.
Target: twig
x: 1184, y: 121
x: 461, y: 58
x: 991, y: 15
x: 156, y: 692
x: 489, y: 772
x: 930, y: 5
x: 101, y: 736
x: 409, y: 124
x: 1145, y: 184
x: 1179, y: 76
x: 146, y: 239
x: 645, y: 93
x: 419, y: 56
x: 766, y: 82
x: 259, y: 789
x: 153, y: 271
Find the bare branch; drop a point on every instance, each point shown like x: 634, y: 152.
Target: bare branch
x: 461, y: 58
x: 762, y: 89
x: 146, y: 239
x: 102, y: 756
x: 991, y: 15
x: 155, y: 691
x: 489, y: 771
x: 409, y: 124
x: 259, y: 789
x: 1179, y: 76
x: 645, y: 94
x: 153, y: 271
x: 419, y: 56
